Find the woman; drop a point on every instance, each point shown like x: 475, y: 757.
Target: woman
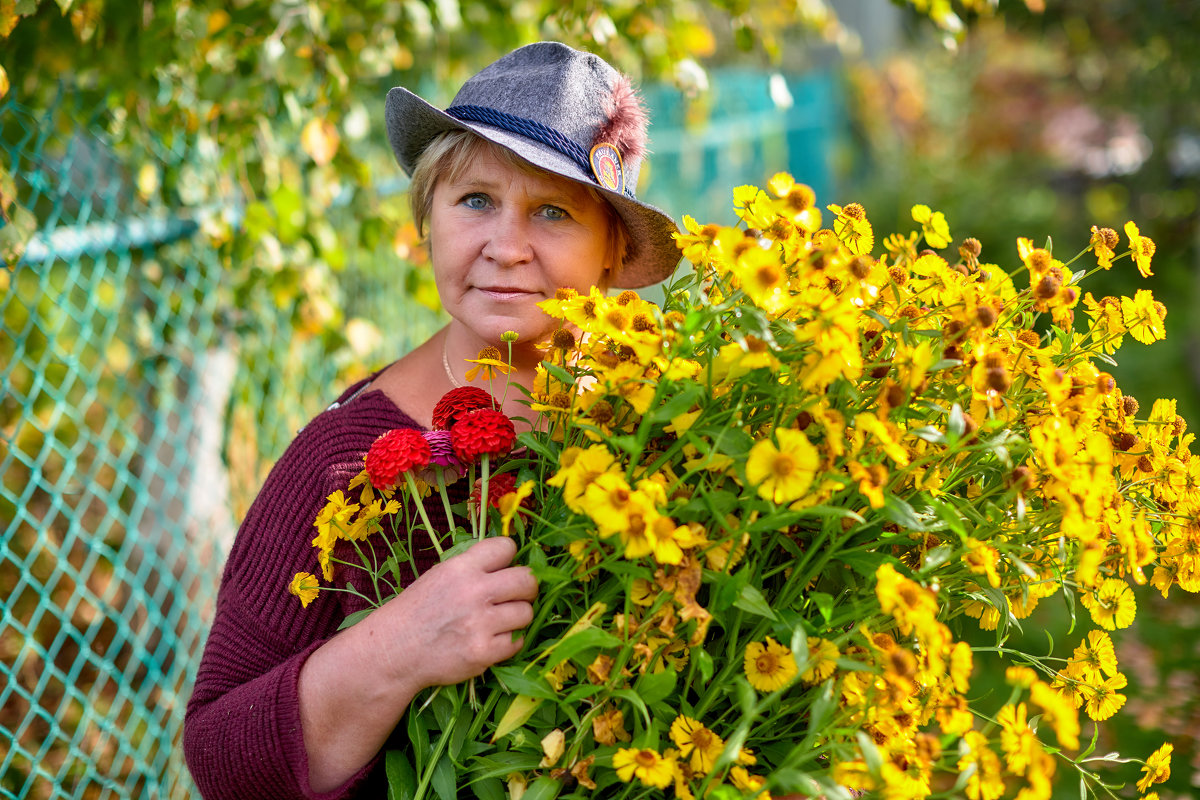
x: 525, y: 184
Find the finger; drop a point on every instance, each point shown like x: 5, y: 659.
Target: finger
x: 506, y: 646
x: 491, y: 554
x: 509, y: 617
x: 513, y: 583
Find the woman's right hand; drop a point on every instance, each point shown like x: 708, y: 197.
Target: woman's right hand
x: 458, y: 618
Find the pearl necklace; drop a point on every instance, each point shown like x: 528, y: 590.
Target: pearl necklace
x: 446, y: 364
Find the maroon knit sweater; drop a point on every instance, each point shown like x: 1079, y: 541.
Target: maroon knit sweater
x: 242, y: 735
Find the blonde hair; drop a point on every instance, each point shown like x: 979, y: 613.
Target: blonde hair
x: 448, y: 156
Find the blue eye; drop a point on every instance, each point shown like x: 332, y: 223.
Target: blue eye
x: 475, y: 201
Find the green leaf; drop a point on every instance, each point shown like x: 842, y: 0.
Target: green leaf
x: 418, y: 737
x: 678, y: 404
x: 402, y: 780
x: 543, y: 788
x: 558, y: 373
x: 751, y: 599
x: 355, y: 618
x: 656, y: 686
x: 514, y: 679
x: 929, y: 434
x: 901, y: 513
x: 704, y: 663
x: 580, y: 641
x: 489, y: 789
x: 824, y: 603
x: 443, y: 780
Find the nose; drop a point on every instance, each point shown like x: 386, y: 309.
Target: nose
x: 508, y: 243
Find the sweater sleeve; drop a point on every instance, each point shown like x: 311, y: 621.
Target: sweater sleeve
x: 242, y: 730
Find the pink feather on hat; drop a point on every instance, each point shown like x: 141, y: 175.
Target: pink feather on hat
x: 626, y: 125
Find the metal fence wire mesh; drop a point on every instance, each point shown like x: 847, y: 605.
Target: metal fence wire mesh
x: 108, y: 559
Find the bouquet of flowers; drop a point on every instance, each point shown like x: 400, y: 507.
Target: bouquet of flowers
x: 770, y: 518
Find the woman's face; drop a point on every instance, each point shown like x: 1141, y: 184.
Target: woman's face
x: 502, y: 240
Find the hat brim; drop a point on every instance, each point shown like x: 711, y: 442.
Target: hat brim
x: 412, y: 124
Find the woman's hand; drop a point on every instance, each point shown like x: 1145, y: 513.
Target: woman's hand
x: 459, y: 617
x: 449, y: 625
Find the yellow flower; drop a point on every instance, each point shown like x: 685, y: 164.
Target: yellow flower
x: 696, y: 743
x: 1103, y: 242
x: 1016, y: 738
x: 1141, y: 247
x: 769, y: 665
x: 306, y: 587
x: 1096, y: 655
x: 933, y: 226
x: 823, y: 655
x: 911, y: 604
x: 986, y: 781
x: 488, y: 363
x: 743, y: 780
x: 510, y: 504
x: 853, y: 228
x: 782, y: 473
x: 1157, y: 768
x: 644, y: 764
x: 982, y: 559
x: 1143, y: 317
x: 1058, y: 712
x: 1101, y: 699
x: 1112, y: 605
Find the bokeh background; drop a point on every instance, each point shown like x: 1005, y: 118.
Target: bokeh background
x: 204, y: 236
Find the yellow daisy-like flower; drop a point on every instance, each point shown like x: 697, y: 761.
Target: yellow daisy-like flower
x: 933, y: 226
x: 1096, y: 655
x: 986, y: 781
x: 700, y: 746
x: 488, y: 364
x: 769, y: 665
x: 783, y: 473
x: 1157, y: 768
x: 1141, y: 247
x: 1104, y: 242
x: 853, y: 228
x: 305, y: 586
x: 1016, y: 738
x: 1112, y: 605
x: 1059, y: 712
x: 1142, y: 317
x: 823, y: 655
x: 1101, y: 699
x: 743, y: 780
x: 644, y: 764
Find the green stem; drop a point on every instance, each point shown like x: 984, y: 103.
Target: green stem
x: 416, y: 496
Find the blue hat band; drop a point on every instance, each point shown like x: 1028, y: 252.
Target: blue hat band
x: 530, y: 129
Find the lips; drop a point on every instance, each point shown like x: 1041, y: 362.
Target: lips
x: 505, y: 292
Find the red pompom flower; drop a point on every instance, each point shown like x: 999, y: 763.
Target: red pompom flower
x: 394, y: 453
x: 481, y: 432
x: 498, y: 486
x: 457, y: 402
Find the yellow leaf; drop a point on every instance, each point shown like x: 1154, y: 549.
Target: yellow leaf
x: 320, y: 140
x: 518, y: 713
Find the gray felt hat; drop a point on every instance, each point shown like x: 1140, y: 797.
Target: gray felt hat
x: 565, y: 111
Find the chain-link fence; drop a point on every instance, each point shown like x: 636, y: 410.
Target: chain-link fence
x: 110, y: 554
x: 136, y: 422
